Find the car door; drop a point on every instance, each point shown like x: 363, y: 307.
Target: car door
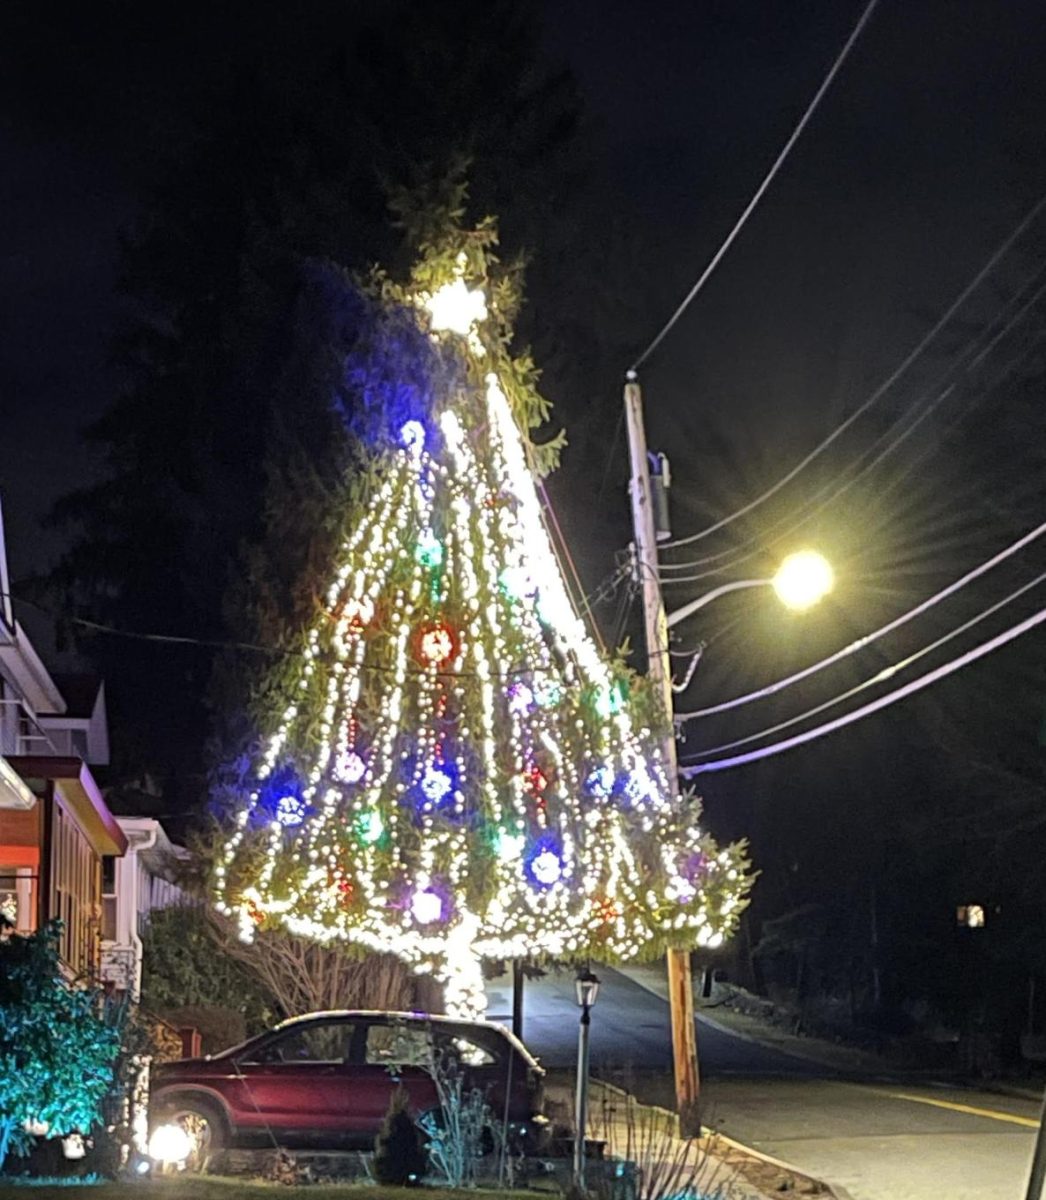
x: 298, y: 1081
x: 393, y: 1052
x: 478, y: 1055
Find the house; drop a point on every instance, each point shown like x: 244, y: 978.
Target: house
x: 132, y: 887
x: 55, y: 827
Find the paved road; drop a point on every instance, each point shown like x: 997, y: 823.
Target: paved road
x: 878, y: 1139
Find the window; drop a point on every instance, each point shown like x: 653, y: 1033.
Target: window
x: 399, y: 1045
x: 465, y: 1049
x: 18, y: 897
x: 322, y: 1042
x: 76, y: 893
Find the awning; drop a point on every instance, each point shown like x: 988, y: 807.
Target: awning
x: 73, y: 776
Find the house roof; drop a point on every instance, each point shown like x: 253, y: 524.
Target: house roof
x: 80, y: 692
x: 80, y: 790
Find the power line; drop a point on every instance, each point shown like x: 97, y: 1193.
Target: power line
x: 778, y: 686
x: 879, y: 677
x: 555, y: 533
x: 610, y: 456
x: 689, y: 770
x: 816, y: 500
x: 272, y: 651
x: 880, y: 391
x: 816, y: 504
x: 769, y: 178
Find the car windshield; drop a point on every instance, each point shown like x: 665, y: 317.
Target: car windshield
x: 318, y: 1042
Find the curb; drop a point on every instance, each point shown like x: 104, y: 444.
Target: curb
x: 833, y: 1190
x: 830, y: 1189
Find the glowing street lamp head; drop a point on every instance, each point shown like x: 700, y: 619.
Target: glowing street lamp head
x: 803, y: 579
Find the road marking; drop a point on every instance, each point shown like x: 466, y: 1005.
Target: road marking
x: 991, y: 1113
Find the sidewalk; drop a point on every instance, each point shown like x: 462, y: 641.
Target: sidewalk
x: 648, y: 1136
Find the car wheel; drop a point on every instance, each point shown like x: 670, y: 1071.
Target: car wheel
x: 204, y: 1125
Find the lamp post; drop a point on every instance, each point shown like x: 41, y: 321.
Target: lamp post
x: 801, y: 581
x: 587, y: 986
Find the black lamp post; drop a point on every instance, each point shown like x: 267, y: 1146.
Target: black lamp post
x: 587, y: 989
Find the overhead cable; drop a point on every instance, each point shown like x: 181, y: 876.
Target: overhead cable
x: 818, y: 502
x: 815, y: 504
x: 689, y: 770
x: 769, y: 178
x: 779, y: 685
x: 887, y: 672
x: 880, y: 391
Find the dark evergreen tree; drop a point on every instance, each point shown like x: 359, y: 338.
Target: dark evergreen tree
x: 221, y: 451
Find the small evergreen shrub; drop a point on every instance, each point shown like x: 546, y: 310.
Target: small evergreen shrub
x: 399, y: 1151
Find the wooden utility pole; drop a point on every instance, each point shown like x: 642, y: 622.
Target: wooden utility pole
x: 1037, y: 1174
x: 680, y: 984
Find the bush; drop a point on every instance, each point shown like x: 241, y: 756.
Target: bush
x: 399, y: 1152
x: 459, y: 1134
x: 57, y: 1053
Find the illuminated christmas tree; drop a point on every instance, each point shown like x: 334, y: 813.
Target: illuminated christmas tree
x: 460, y: 774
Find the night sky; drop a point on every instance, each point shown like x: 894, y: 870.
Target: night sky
x: 925, y: 151
x: 923, y: 156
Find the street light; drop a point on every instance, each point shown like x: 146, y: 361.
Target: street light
x: 587, y: 986
x: 800, y: 582
x: 803, y: 579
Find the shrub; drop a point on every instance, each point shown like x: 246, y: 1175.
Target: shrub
x: 399, y: 1153
x: 56, y: 1051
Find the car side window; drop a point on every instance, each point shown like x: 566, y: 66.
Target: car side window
x: 465, y: 1050
x: 323, y: 1042
x: 399, y: 1045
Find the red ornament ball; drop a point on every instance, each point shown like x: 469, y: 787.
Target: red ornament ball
x: 436, y: 644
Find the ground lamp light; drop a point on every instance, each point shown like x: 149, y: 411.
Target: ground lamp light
x: 587, y: 986
x: 170, y: 1145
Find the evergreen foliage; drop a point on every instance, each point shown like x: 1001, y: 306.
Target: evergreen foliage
x: 399, y: 1149
x: 222, y: 453
x: 183, y: 967
x: 452, y: 770
x: 56, y: 1050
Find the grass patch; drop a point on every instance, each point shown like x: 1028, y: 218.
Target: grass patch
x: 197, y: 1187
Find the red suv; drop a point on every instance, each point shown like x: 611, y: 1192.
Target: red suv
x: 325, y: 1080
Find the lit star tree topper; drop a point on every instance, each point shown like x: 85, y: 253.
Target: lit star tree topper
x: 460, y: 774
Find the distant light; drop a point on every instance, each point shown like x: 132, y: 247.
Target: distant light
x: 349, y: 767
x: 508, y: 846
x: 427, y: 906
x: 370, y: 826
x: 170, y: 1144
x: 971, y: 916
x: 803, y: 579
x: 546, y: 867
x: 520, y: 699
x: 412, y: 435
x: 290, y: 810
x: 437, y: 645
x: 600, y: 781
x: 456, y: 309
x: 436, y: 784
x: 142, y: 1166
x: 429, y: 550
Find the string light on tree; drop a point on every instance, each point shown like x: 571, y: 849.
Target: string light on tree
x: 471, y: 778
